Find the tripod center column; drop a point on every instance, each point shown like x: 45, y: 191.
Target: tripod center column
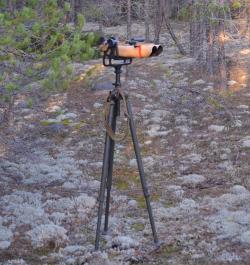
x: 117, y: 76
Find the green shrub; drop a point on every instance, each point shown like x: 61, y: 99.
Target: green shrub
x: 39, y: 43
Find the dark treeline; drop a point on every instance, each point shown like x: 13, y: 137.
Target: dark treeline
x: 40, y: 39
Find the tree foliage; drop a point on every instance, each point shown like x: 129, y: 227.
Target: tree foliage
x: 38, y: 42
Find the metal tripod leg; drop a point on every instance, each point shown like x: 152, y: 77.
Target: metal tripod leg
x: 140, y: 168
x: 109, y: 177
x: 105, y: 172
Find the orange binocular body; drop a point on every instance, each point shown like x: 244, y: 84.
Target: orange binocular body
x: 139, y: 50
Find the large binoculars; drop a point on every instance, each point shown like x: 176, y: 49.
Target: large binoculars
x: 135, y: 48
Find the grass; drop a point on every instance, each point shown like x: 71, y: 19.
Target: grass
x: 122, y: 184
x: 124, y: 178
x: 29, y: 103
x: 65, y: 122
x: 166, y: 252
x: 47, y: 123
x: 138, y: 227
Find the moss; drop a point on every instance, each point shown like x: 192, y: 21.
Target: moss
x: 138, y: 227
x: 141, y: 201
x: 168, y: 204
x: 154, y: 84
x: 30, y: 103
x: 169, y: 250
x: 155, y: 197
x: 79, y: 125
x: 135, y: 179
x: 122, y: 184
x: 226, y: 93
x: 167, y: 72
x: 127, y: 175
x: 47, y: 123
x: 215, y: 103
x: 88, y: 76
x: 65, y: 122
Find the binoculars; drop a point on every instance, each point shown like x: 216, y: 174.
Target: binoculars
x: 135, y: 48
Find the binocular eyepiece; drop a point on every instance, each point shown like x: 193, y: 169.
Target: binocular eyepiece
x: 134, y: 48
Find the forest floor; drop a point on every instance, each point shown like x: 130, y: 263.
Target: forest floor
x: 195, y: 142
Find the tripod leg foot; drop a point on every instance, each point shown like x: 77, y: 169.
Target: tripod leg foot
x: 141, y: 170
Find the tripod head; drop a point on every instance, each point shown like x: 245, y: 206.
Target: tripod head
x: 117, y: 55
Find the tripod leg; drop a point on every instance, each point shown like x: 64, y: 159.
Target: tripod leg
x: 141, y: 170
x: 109, y: 177
x: 105, y: 171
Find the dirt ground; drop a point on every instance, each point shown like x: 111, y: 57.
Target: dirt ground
x: 195, y: 143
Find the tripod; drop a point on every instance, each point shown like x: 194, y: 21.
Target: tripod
x: 114, y: 98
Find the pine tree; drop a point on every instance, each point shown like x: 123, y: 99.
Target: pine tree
x: 38, y: 43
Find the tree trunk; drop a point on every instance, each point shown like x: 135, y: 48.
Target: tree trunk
x: 11, y: 7
x: 147, y: 18
x: 129, y: 21
x: 172, y: 34
x: 158, y: 20
x: 222, y: 57
x: 20, y: 4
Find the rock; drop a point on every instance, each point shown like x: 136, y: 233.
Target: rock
x: 154, y: 131
x: 98, y: 105
x: 58, y: 218
x: 231, y: 82
x: 123, y: 242
x: 216, y: 128
x: 67, y: 116
x: 95, y: 258
x: 226, y: 229
x: 237, y: 123
x: 226, y: 165
x: 68, y: 185
x: 5, y: 237
x: 228, y: 257
x: 177, y: 190
x: 56, y: 128
x: 53, y: 108
x: 209, y: 88
x: 184, y: 129
x: 30, y: 215
x: 180, y: 119
x: 79, y: 68
x: 71, y: 261
x: 224, y: 157
x: 245, y: 238
x: 103, y: 86
x: 45, y: 235
x: 15, y: 262
x: 188, y: 204
x: 192, y: 179
x: 238, y: 189
x: 199, y: 82
x: 244, y: 107
x: 246, y: 142
x: 159, y: 115
x: 4, y: 244
x: 132, y: 203
x: 148, y: 161
x: 25, y: 208
x: 84, y: 201
x: 194, y: 158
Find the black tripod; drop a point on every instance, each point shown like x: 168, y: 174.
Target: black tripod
x: 115, y: 96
